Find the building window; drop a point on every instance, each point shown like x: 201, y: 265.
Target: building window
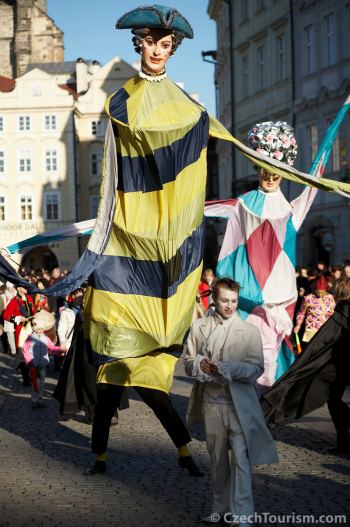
x: 1, y: 124
x: 37, y: 90
x: 26, y: 208
x: 96, y: 127
x: 313, y: 141
x: 50, y: 122
x: 2, y: 161
x: 310, y: 49
x: 24, y: 123
x: 51, y: 160
x: 245, y: 76
x: 52, y: 206
x: 94, y: 201
x: 244, y: 10
x: 2, y: 208
x: 25, y: 161
x: 261, y: 67
x: 331, y: 50
x: 95, y: 164
x: 336, y: 155
x: 281, y: 57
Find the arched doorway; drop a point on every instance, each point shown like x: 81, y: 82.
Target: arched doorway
x: 40, y: 257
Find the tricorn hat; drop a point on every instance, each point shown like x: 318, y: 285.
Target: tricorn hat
x: 155, y: 17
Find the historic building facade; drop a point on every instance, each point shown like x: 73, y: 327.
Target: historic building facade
x: 51, y: 138
x: 282, y: 60
x: 254, y: 70
x: 37, y: 168
x: 322, y: 84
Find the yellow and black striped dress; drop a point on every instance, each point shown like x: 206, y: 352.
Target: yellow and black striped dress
x: 141, y: 296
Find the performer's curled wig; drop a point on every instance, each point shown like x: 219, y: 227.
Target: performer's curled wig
x: 140, y: 34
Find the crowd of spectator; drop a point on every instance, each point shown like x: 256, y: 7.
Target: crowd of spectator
x: 20, y: 322
x: 315, y: 303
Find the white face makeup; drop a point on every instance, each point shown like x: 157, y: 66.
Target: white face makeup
x: 226, y: 302
x: 156, y: 50
x: 269, y: 182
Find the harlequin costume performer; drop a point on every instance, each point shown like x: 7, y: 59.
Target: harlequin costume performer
x: 259, y: 248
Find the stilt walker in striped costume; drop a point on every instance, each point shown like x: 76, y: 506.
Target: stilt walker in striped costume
x: 140, y: 298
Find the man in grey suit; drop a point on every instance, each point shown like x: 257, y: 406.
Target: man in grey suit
x: 224, y: 354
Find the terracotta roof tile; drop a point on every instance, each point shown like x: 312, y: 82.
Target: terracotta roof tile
x: 71, y: 88
x: 7, y: 84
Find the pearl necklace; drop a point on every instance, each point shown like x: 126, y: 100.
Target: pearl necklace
x: 152, y: 78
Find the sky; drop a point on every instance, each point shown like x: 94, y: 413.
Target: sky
x: 89, y: 32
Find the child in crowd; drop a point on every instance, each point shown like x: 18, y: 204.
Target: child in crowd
x: 36, y: 351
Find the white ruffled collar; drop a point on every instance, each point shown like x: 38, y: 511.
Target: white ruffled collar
x: 152, y: 78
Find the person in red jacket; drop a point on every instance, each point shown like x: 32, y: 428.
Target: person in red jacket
x: 20, y: 312
x: 205, y: 286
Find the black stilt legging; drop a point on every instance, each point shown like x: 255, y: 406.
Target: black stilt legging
x: 108, y: 399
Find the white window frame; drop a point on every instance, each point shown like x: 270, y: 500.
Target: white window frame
x: 37, y: 89
x: 28, y: 202
x: 331, y: 39
x: 2, y: 208
x: 245, y: 75
x: 96, y: 128
x: 281, y: 57
x: 336, y: 156
x: 50, y: 122
x: 24, y: 123
x: 312, y: 131
x: 2, y: 162
x: 93, y: 205
x: 244, y: 10
x: 96, y: 161
x: 24, y: 161
x: 261, y: 63
x: 310, y: 44
x: 47, y: 196
x: 51, y: 159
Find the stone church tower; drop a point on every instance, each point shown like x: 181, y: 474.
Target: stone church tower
x: 28, y: 35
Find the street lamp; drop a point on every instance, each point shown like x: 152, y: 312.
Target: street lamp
x: 213, y: 54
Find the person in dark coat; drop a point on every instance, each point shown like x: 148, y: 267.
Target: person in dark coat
x: 320, y: 374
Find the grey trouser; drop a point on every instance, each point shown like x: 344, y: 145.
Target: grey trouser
x: 230, y: 472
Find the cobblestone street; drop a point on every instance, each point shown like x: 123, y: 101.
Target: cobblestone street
x: 43, y: 456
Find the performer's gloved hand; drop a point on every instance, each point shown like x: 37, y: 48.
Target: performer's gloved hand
x: 205, y: 365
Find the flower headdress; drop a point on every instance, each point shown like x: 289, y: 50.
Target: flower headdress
x: 274, y: 139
